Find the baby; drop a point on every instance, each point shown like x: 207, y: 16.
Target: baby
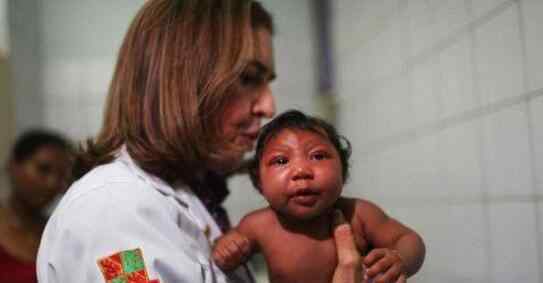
x: 300, y: 167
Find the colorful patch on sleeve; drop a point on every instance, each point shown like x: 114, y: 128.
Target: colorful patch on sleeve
x: 125, y: 267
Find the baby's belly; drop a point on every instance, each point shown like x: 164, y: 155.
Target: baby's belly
x: 310, y: 264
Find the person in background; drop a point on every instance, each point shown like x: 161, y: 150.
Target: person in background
x: 189, y: 92
x: 300, y: 167
x: 38, y: 170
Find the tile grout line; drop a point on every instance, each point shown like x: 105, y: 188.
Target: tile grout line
x: 531, y: 136
x: 487, y: 228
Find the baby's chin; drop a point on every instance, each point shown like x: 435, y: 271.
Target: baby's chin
x: 301, y: 216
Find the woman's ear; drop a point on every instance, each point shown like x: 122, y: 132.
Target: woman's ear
x: 12, y: 167
x: 9, y: 167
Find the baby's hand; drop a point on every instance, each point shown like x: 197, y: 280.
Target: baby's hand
x: 385, y: 266
x: 231, y: 250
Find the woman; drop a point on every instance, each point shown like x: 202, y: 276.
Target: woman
x: 38, y: 171
x: 190, y: 89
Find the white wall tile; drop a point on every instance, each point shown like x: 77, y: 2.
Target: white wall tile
x: 243, y: 198
x: 354, y: 118
x: 536, y: 107
x: 498, y: 57
x: 457, y: 95
x: 470, y: 261
x: 389, y: 108
x: 514, y: 242
x: 481, y: 8
x: 533, y: 21
x: 506, y: 152
x: 425, y: 88
x: 410, y: 170
x: 394, y: 175
x: 354, y: 74
x: 433, y: 21
x: 385, y: 54
x: 425, y: 169
x: 364, y: 180
x: 422, y: 23
x: 451, y: 16
x: 360, y: 21
x: 460, y: 161
x: 539, y: 234
x: 93, y: 29
x: 451, y: 256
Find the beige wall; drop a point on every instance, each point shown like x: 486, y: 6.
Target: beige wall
x: 6, y: 120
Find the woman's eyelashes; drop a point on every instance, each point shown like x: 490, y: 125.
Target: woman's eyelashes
x: 252, y: 77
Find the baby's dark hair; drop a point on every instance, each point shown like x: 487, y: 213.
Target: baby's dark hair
x: 294, y: 119
x: 29, y: 142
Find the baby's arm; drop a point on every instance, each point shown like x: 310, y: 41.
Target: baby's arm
x: 399, y: 251
x: 235, y: 247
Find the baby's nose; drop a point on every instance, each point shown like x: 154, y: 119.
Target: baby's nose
x: 302, y: 172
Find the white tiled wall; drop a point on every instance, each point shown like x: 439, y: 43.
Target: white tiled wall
x: 449, y: 93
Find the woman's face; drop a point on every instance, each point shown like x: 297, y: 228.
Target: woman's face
x: 242, y: 115
x: 38, y: 179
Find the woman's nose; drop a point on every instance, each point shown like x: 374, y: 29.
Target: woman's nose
x: 264, y: 106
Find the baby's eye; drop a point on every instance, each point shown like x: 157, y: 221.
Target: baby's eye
x: 320, y: 155
x: 280, y: 160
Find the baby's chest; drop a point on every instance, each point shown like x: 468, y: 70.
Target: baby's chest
x: 301, y: 260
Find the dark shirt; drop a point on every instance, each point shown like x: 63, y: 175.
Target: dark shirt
x: 15, y: 271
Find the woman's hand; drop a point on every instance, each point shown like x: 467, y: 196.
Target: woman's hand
x: 349, y: 268
x: 384, y: 266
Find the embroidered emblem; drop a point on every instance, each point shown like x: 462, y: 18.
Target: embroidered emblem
x: 125, y: 267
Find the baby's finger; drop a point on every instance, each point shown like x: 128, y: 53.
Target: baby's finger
x: 391, y: 275
x: 373, y: 256
x: 243, y: 245
x: 380, y: 266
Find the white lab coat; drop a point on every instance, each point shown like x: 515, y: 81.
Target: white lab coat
x: 118, y: 207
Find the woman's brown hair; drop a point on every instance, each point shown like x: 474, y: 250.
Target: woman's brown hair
x: 175, y: 69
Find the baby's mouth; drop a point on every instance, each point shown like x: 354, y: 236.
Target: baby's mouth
x: 306, y: 197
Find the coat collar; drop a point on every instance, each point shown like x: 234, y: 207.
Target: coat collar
x: 154, y: 181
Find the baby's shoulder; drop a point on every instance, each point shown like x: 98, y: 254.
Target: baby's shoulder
x: 260, y: 217
x: 358, y: 210
x: 253, y: 224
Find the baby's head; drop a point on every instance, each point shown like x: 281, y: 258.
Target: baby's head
x: 301, y: 164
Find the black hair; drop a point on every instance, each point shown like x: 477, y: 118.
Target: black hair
x: 294, y: 119
x: 29, y: 142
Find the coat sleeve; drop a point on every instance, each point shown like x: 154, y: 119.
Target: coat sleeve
x: 120, y: 233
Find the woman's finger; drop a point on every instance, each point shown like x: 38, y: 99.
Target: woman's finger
x: 402, y: 279
x: 349, y: 269
x: 345, y: 245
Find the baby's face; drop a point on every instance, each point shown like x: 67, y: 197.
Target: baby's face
x: 300, y: 173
